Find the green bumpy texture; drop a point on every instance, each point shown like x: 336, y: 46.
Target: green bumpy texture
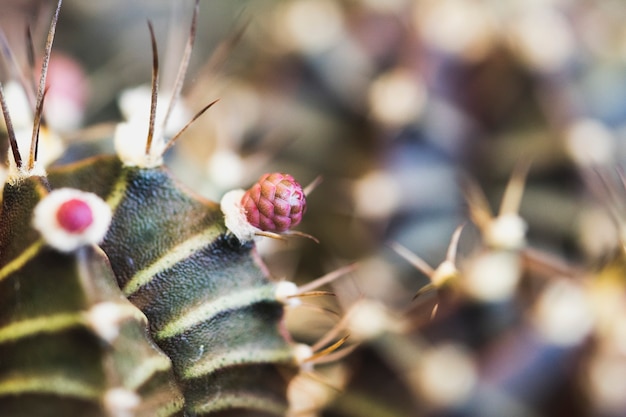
x: 53, y: 361
x: 209, y: 301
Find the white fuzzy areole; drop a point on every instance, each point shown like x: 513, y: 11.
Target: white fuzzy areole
x: 121, y: 402
x: 105, y: 318
x: 446, y: 375
x: 445, y: 272
x: 368, y: 319
x: 492, y: 277
x: 302, y: 353
x: 507, y: 231
x: 286, y: 292
x: 130, y: 145
x: 563, y: 314
x: 15, y: 174
x: 45, y: 220
x: 50, y: 148
x: 131, y: 136
x: 50, y: 145
x: 235, y: 216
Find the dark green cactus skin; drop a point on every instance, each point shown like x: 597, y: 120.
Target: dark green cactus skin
x: 209, y: 302
x: 52, y: 361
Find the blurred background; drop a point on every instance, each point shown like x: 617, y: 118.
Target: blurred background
x: 398, y: 105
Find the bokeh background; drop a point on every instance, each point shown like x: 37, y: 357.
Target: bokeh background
x: 398, y: 105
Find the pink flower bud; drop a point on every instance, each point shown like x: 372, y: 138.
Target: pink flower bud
x: 275, y: 203
x: 74, y: 215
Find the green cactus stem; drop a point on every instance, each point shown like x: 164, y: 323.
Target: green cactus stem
x: 70, y: 343
x: 210, y: 304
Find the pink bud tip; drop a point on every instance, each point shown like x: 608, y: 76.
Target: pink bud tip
x: 74, y: 215
x: 275, y: 203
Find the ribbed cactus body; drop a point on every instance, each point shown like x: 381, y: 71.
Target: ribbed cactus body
x: 70, y: 343
x: 210, y: 304
x: 84, y: 302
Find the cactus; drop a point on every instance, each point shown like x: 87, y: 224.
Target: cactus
x: 71, y: 344
x: 209, y: 302
x: 171, y: 309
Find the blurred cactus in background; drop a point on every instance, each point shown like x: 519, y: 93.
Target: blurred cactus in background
x: 468, y: 228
